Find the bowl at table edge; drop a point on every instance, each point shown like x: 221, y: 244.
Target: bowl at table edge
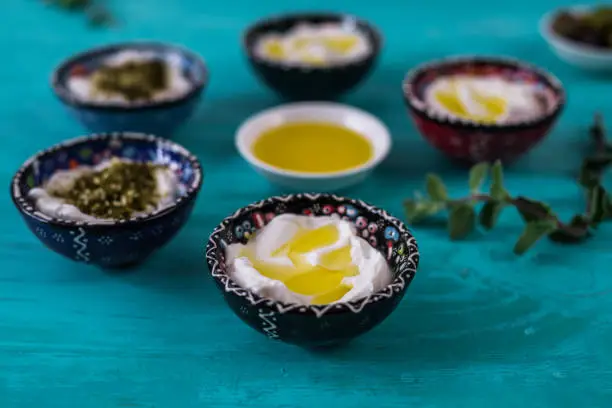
x: 352, y: 118
x: 121, y: 243
x: 306, y: 82
x: 472, y: 142
x: 321, y: 325
x: 155, y: 117
x: 581, y: 55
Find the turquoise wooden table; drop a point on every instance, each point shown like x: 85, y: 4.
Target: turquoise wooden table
x: 478, y: 325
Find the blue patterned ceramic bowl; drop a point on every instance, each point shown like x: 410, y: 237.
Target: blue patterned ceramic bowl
x: 321, y: 325
x: 157, y: 117
x: 118, y: 244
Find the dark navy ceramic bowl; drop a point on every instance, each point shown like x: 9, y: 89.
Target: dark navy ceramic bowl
x: 121, y: 243
x: 307, y: 82
x: 324, y: 325
x: 156, y: 117
x: 472, y: 142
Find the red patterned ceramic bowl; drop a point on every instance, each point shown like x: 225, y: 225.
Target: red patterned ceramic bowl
x: 471, y: 141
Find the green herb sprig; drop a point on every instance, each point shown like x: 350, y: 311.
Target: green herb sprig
x: 540, y: 220
x: 97, y: 14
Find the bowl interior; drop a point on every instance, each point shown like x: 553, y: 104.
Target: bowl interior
x: 570, y: 45
x: 90, y: 151
x: 282, y: 24
x: 191, y: 66
x: 355, y: 119
x: 418, y: 81
x: 384, y: 232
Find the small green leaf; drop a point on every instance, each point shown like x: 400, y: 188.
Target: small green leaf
x: 490, y: 213
x: 608, y: 208
x: 576, y: 231
x: 532, y: 210
x: 532, y: 233
x: 478, y: 173
x: 588, y: 176
x: 598, y: 203
x: 417, y: 210
x: 498, y: 192
x: 436, y: 188
x: 462, y: 220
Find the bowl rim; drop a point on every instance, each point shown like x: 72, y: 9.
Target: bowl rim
x: 26, y: 208
x: 397, y: 286
x: 66, y: 96
x: 558, y: 41
x: 418, y: 106
x: 372, y: 163
x: 376, y: 40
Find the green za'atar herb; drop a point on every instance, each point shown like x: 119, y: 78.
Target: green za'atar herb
x: 97, y: 14
x: 134, y: 80
x: 540, y: 220
x: 115, y: 192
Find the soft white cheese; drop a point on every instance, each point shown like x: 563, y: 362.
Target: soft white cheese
x: 374, y: 272
x: 305, y: 44
x: 520, y: 99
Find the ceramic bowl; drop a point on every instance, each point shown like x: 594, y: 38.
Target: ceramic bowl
x: 472, y: 142
x: 156, y: 117
x: 324, y: 325
x: 308, y: 82
x: 360, y: 121
x: 575, y: 53
x: 117, y: 244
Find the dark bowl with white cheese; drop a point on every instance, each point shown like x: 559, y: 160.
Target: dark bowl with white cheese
x: 303, y: 82
x: 325, y: 325
x: 185, y: 79
x: 108, y: 243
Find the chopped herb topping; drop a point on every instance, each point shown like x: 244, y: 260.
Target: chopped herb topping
x: 134, y: 80
x: 115, y: 192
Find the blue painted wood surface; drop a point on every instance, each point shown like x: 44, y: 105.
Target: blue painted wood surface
x: 478, y: 326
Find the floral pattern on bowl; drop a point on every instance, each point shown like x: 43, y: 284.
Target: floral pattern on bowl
x: 123, y: 242
x: 157, y: 117
x: 470, y: 141
x: 320, y: 325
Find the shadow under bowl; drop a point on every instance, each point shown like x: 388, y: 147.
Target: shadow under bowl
x: 305, y: 82
x: 161, y: 117
x: 325, y: 325
x: 120, y: 243
x: 470, y: 142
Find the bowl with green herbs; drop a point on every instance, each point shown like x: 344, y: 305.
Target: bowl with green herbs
x: 108, y: 199
x: 580, y: 35
x: 141, y: 87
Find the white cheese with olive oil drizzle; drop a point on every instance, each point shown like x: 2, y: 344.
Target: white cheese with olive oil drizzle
x: 484, y: 99
x: 308, y: 260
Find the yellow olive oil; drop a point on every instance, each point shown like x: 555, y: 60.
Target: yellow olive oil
x: 322, y: 282
x: 312, y: 147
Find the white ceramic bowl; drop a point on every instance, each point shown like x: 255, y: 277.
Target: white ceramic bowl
x: 355, y: 119
x: 575, y: 53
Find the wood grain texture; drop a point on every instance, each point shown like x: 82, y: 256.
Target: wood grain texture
x: 478, y: 326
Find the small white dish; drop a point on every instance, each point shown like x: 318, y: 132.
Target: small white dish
x: 574, y: 53
x: 355, y: 119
